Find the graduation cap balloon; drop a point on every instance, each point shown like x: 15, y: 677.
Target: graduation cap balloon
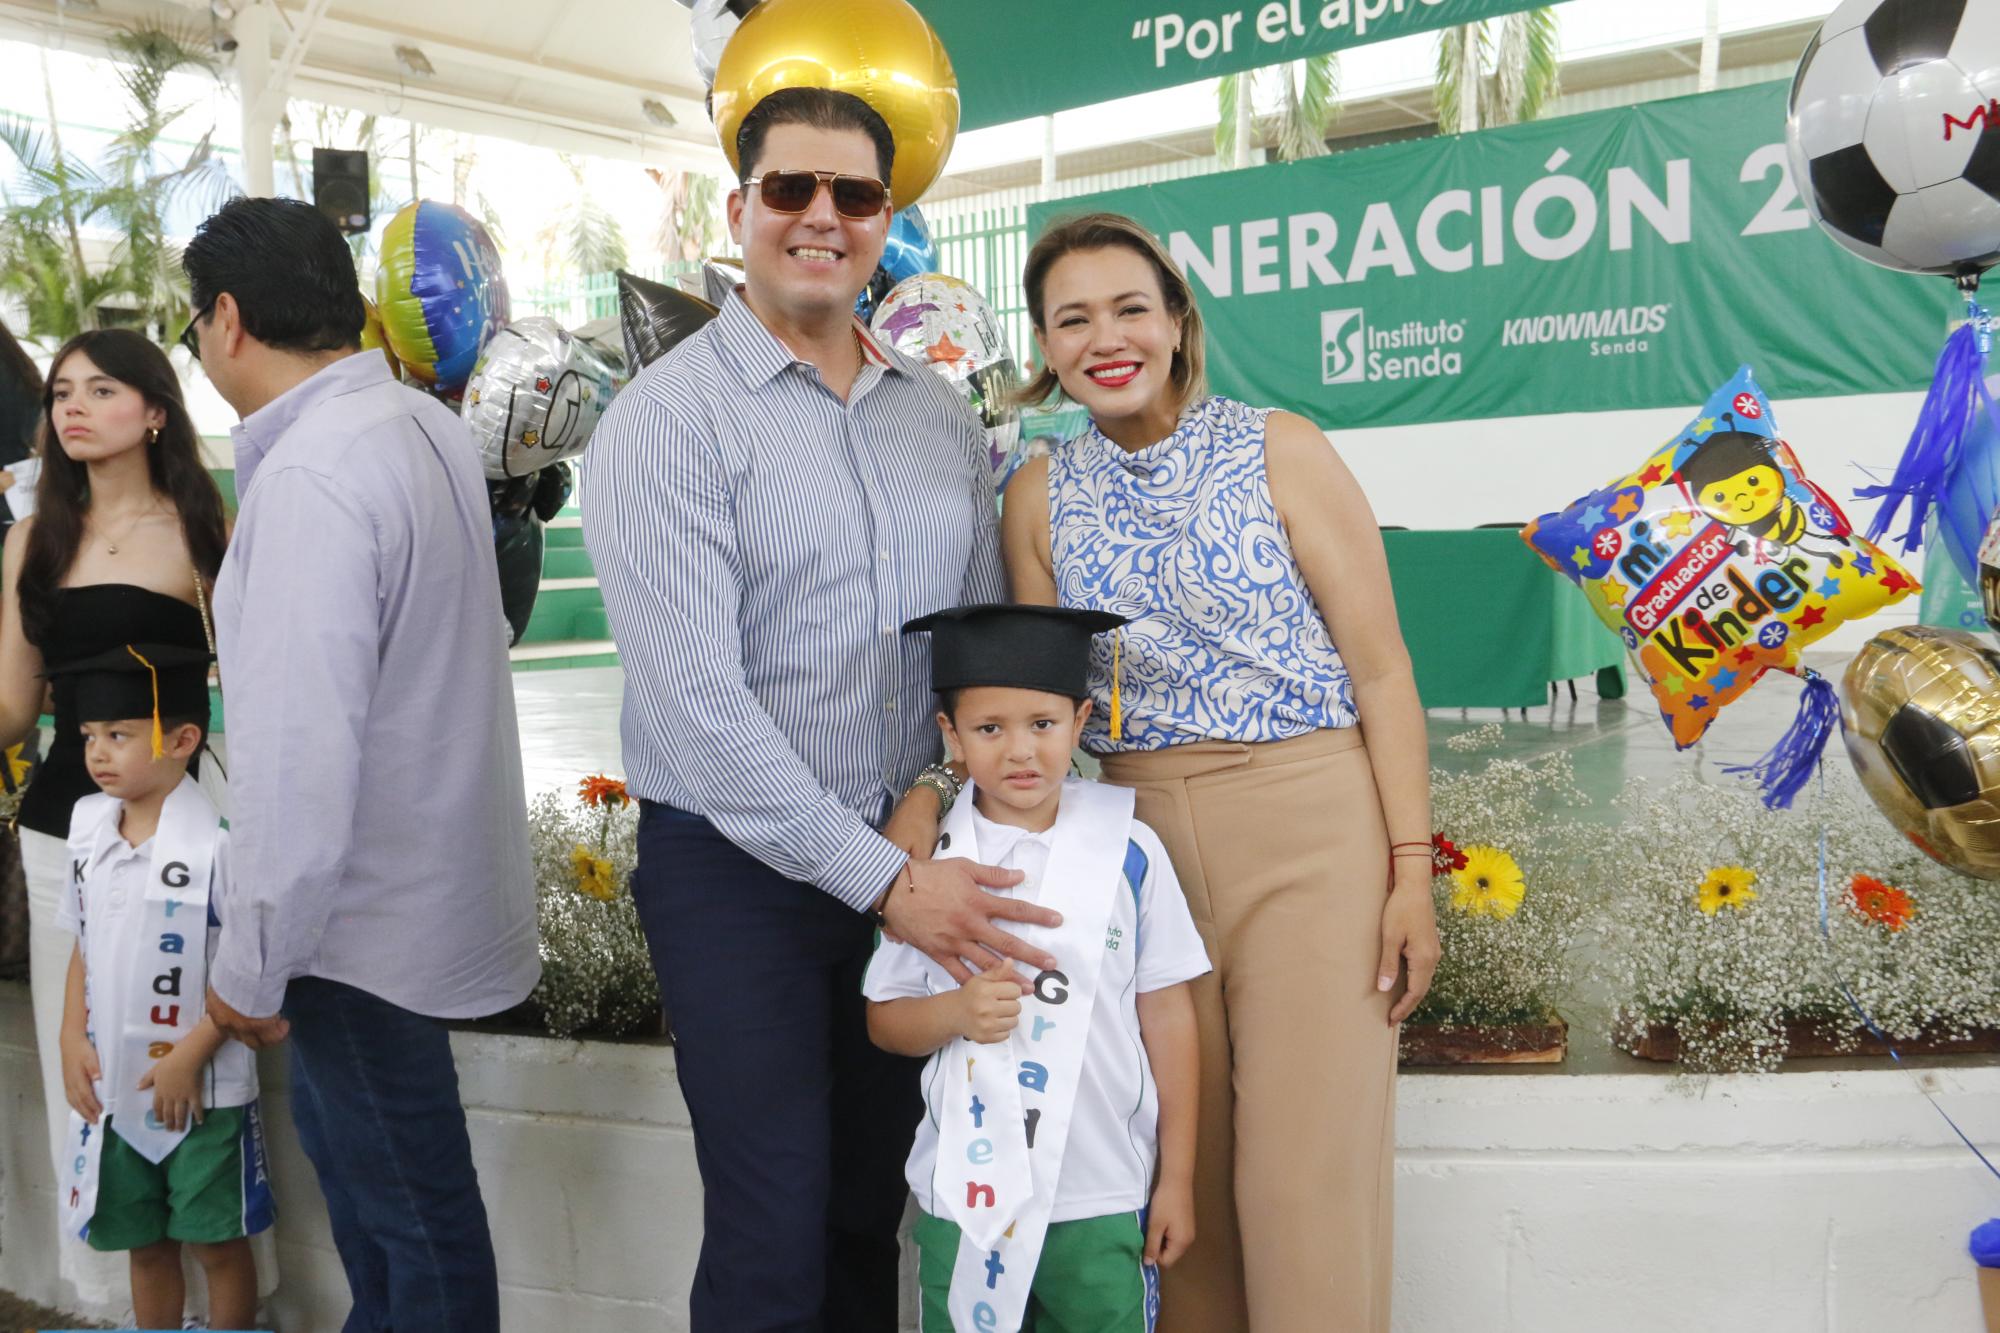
x: 655, y: 317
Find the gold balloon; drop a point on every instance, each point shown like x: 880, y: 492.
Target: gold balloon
x: 882, y: 51
x: 1989, y: 595
x: 1921, y: 711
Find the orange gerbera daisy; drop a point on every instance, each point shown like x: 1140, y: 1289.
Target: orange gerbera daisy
x: 1882, y: 903
x: 601, y: 790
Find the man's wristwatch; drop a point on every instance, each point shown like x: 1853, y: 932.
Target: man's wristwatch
x: 940, y: 780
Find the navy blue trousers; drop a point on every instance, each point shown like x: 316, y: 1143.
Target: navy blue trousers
x: 801, y: 1125
x: 375, y: 1102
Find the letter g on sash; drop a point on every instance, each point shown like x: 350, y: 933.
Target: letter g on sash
x: 174, y: 875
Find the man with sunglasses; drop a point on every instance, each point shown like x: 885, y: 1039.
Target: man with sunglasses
x: 765, y: 506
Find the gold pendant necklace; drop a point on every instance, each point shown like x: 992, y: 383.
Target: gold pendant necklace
x: 112, y: 546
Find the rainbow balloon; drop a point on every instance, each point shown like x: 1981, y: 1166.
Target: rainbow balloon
x: 440, y: 292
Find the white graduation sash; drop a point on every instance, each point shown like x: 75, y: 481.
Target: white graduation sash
x: 1004, y: 1116
x: 151, y: 992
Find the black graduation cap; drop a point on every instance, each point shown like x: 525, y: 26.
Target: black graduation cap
x: 136, y: 680
x: 1043, y: 648
x: 1724, y: 454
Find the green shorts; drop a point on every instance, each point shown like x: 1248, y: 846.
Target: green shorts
x: 214, y: 1186
x: 1090, y: 1278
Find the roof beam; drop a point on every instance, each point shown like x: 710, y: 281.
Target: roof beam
x: 683, y: 101
x: 521, y: 124
x: 272, y: 100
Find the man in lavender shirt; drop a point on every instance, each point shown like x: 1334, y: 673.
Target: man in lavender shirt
x: 375, y: 768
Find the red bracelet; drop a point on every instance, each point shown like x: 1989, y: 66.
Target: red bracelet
x: 1394, y: 845
x: 1426, y: 854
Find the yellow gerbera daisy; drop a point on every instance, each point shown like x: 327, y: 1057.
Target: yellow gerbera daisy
x: 1726, y: 886
x: 594, y: 877
x: 1488, y: 884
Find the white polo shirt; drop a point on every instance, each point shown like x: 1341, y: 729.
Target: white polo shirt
x: 107, y: 911
x: 1150, y: 944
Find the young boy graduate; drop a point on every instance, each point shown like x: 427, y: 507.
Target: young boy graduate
x: 165, y: 1144
x: 1049, y: 1098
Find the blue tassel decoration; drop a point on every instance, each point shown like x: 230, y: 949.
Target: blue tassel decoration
x: 1784, y: 771
x: 1932, y: 459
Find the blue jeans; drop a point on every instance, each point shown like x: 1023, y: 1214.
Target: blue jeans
x: 375, y: 1099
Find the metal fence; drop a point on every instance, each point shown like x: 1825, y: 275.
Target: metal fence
x: 595, y: 295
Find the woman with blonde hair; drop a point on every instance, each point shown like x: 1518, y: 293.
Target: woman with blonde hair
x: 1263, y: 648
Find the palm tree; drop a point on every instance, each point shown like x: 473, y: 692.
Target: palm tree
x: 1308, y: 93
x: 138, y: 193
x: 1487, y: 78
x: 583, y: 237
x: 56, y: 194
x: 690, y: 215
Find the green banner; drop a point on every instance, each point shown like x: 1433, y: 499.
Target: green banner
x: 1022, y: 58
x: 1623, y: 259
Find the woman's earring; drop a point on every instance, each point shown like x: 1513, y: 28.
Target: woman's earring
x: 153, y: 435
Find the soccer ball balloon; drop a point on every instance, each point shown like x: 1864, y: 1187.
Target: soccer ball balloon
x: 1894, y: 132
x: 1920, y: 713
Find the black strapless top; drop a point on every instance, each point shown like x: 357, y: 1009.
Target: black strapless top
x: 91, y: 620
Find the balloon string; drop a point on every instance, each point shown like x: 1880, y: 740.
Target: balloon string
x: 1867, y: 1022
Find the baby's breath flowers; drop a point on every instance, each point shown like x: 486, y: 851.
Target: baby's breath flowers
x: 597, y: 977
x: 1510, y: 860
x: 1687, y: 944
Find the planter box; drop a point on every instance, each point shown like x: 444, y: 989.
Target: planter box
x: 1541, y: 1043
x: 1526, y: 1202
x: 1805, y: 1039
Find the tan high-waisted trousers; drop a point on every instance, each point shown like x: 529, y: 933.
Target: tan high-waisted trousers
x: 1281, y: 850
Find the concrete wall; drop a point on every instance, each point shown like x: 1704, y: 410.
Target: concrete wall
x: 1548, y: 1203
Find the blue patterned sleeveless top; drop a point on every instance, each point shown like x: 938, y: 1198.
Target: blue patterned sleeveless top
x: 1226, y: 642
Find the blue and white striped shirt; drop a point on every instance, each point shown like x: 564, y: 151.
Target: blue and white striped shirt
x: 760, y: 543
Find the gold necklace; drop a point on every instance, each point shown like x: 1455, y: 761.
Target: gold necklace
x: 112, y: 546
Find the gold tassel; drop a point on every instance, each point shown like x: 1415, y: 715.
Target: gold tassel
x: 159, y: 736
x: 1117, y: 703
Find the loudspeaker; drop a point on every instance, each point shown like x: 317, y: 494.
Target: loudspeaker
x: 340, y: 187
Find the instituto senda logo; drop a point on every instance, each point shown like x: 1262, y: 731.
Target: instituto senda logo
x: 1343, y: 344
x: 1351, y: 351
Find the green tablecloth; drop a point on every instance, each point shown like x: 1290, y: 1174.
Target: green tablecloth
x: 1489, y: 625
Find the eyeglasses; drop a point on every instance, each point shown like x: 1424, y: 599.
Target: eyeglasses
x: 188, y: 337
x: 856, y: 197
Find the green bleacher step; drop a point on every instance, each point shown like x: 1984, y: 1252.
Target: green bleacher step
x: 566, y: 562
x: 562, y: 611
